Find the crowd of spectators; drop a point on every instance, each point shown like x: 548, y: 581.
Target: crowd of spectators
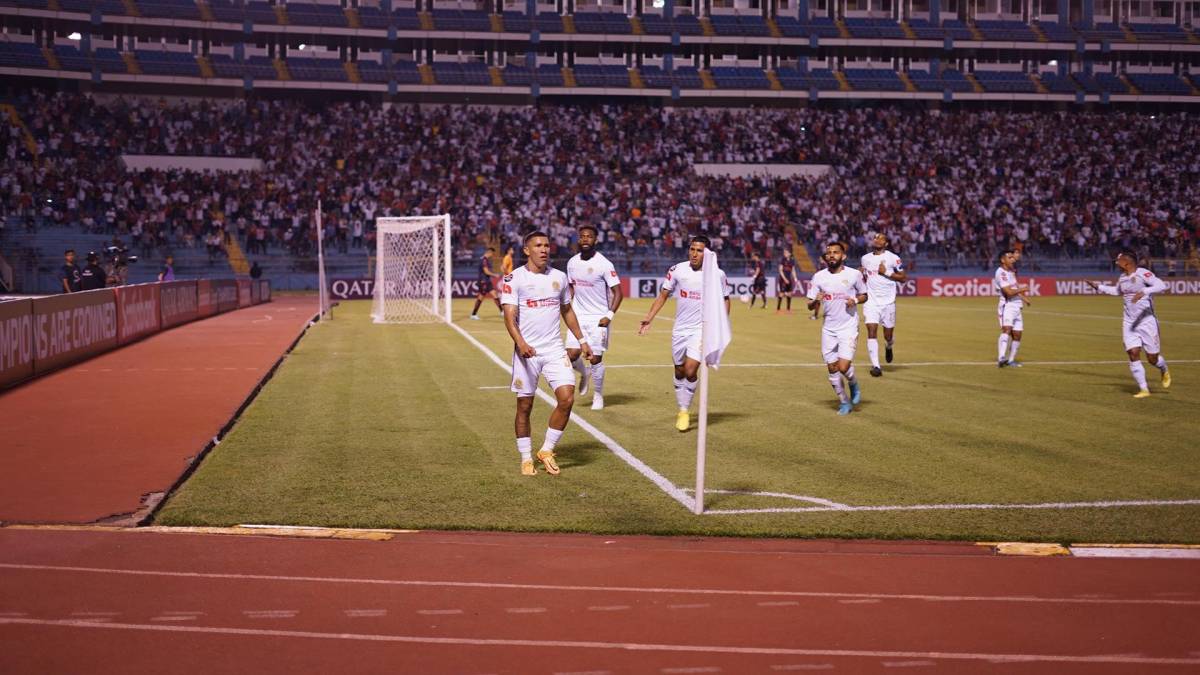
x: 947, y: 187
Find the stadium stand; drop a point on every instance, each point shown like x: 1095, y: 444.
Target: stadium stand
x: 874, y: 79
x: 1005, y: 81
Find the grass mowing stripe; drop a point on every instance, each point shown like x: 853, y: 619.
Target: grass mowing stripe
x: 627, y: 457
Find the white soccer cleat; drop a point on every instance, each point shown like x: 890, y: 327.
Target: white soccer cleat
x: 474, y: 317
x: 597, y: 402
x: 584, y: 382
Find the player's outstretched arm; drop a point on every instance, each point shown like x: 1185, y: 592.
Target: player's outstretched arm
x: 654, y: 309
x: 613, y: 304
x: 510, y: 322
x: 572, y: 321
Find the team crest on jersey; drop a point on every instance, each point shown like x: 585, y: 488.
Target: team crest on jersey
x: 556, y: 286
x: 612, y: 273
x: 508, y: 277
x: 590, y: 270
x: 518, y: 383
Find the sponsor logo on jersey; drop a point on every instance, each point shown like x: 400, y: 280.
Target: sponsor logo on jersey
x: 612, y: 273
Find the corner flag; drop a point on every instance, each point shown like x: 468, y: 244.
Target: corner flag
x: 715, y: 336
x: 715, y: 332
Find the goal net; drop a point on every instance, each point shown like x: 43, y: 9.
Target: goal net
x: 412, y: 270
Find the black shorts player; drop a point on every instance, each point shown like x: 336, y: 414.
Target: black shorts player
x: 486, y: 283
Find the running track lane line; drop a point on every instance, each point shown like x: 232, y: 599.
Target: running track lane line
x: 609, y: 589
x: 638, y: 465
x: 625, y: 646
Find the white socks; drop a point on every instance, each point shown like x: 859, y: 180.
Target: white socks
x: 684, y: 391
x: 552, y: 436
x: 1161, y: 364
x: 835, y: 379
x: 1139, y: 374
x: 525, y: 447
x: 850, y: 375
x: 1012, y: 354
x: 873, y: 351
x: 1002, y: 346
x: 580, y: 366
x: 598, y: 379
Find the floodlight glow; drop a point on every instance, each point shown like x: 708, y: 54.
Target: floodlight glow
x: 75, y: 36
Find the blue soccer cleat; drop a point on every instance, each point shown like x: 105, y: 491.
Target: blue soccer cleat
x: 845, y: 408
x: 855, y: 393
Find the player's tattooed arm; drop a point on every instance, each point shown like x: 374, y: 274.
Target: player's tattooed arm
x: 510, y: 322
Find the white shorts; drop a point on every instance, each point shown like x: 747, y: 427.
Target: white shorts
x: 880, y: 313
x: 597, y: 336
x: 553, y: 366
x: 839, y: 344
x: 1010, y: 316
x: 1143, y: 334
x: 685, y: 345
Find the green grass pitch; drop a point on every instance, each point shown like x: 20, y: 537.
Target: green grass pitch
x: 411, y: 426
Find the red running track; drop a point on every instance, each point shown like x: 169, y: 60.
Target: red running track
x: 128, y: 601
x: 88, y: 442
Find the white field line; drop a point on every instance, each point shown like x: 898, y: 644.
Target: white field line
x: 902, y: 365
x: 1124, y: 659
x: 608, y: 590
x: 959, y: 507
x: 627, y: 457
x: 683, y: 496
x: 1114, y: 317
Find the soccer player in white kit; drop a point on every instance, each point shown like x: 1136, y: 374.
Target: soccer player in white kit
x: 1139, y: 325
x: 1013, y: 297
x: 839, y: 290
x: 883, y: 271
x: 533, y: 297
x: 686, y: 282
x: 592, y: 278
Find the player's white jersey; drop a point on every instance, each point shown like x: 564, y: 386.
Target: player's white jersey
x: 1005, y: 279
x: 539, y: 299
x: 833, y: 289
x: 686, y: 285
x: 1128, y: 285
x: 880, y: 289
x: 591, y: 280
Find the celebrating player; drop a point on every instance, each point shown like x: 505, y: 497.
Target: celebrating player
x: 686, y: 281
x: 883, y: 271
x: 785, y: 284
x: 486, y: 285
x: 839, y: 290
x: 533, y: 298
x: 1139, y: 325
x: 1013, y: 298
x: 591, y: 275
x: 758, y: 277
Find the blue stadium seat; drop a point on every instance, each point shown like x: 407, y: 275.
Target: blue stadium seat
x: 1008, y: 31
x: 1057, y: 32
x: 180, y: 64
x: 169, y: 9
x: 876, y: 29
x: 1158, y: 32
x: 1160, y: 83
x: 1007, y: 82
x: 595, y: 75
x: 823, y: 79
x: 924, y: 30
x: 109, y: 61
x: 823, y: 27
x: 790, y: 26
x: 729, y: 77
x: 24, y: 55
x: 311, y: 69
x: 792, y: 79
x: 1057, y: 84
x: 873, y: 79
x: 303, y: 13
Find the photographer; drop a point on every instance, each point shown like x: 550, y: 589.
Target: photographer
x: 93, y: 275
x: 117, y: 263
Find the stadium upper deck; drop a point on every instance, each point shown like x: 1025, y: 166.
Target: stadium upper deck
x: 1073, y: 51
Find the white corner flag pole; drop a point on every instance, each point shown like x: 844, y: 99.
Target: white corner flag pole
x: 321, y: 289
x: 715, y: 336
x: 702, y: 437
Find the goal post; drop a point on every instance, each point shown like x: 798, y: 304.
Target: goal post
x: 412, y: 270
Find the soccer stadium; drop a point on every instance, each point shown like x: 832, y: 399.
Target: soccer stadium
x: 575, y: 338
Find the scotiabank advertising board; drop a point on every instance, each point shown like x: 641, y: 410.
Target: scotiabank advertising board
x: 16, y: 341
x: 73, y: 327
x: 226, y: 292
x: 177, y: 303
x: 137, y: 311
x: 244, y: 296
x: 976, y: 287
